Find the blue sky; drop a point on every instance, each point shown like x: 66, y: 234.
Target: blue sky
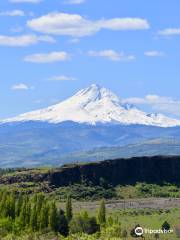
x: 51, y: 48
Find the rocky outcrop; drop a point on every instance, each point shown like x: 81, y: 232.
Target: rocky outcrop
x: 156, y: 169
x: 122, y: 171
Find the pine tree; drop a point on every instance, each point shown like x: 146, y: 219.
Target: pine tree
x: 25, y: 212
x: 11, y: 206
x: 19, y: 205
x: 63, y: 224
x: 22, y: 216
x: 69, y: 213
x: 43, y: 219
x: 53, y: 217
x: 33, y: 219
x: 102, y: 213
x: 28, y: 213
x: 40, y: 199
x: 5, y: 205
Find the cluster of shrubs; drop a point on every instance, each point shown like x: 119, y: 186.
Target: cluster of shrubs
x: 87, y: 191
x: 154, y: 190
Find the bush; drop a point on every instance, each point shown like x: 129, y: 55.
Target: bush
x: 112, y: 232
x: 6, y: 225
x: 84, y: 224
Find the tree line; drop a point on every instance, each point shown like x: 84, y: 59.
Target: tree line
x: 19, y: 212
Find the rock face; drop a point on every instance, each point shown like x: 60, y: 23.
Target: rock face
x: 122, y: 171
x: 156, y: 169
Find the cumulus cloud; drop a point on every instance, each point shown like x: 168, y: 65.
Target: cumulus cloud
x: 25, y: 1
x: 20, y: 86
x: 169, y: 32
x: 158, y: 103
x: 23, y: 40
x: 154, y: 54
x: 13, y: 13
x: 75, y: 2
x: 47, y: 57
x: 112, y: 55
x: 77, y: 26
x: 61, y: 78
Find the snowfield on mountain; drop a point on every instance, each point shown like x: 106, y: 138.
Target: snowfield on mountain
x: 94, y: 105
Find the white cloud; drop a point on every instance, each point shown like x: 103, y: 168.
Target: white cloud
x: 169, y: 32
x: 134, y: 100
x: 158, y: 103
x: 25, y: 1
x: 13, y: 13
x: 154, y: 54
x: 23, y: 40
x: 112, y: 55
x: 75, y: 2
x: 20, y: 86
x: 47, y: 57
x: 61, y: 78
x: 78, y: 26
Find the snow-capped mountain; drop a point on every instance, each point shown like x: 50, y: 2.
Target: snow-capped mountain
x: 95, y: 105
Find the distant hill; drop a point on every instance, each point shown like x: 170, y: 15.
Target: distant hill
x: 30, y: 144
x: 154, y: 147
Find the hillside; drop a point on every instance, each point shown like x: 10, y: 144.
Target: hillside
x: 33, y: 144
x: 154, y: 147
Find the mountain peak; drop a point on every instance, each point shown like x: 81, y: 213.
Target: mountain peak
x: 94, y: 85
x: 93, y: 105
x: 96, y: 93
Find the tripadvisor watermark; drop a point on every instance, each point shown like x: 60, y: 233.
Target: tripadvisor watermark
x: 139, y: 231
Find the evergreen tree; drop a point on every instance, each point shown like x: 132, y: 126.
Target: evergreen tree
x: 102, y: 213
x: 19, y: 205
x: 69, y: 213
x: 53, y: 218
x: 40, y: 199
x: 63, y: 228
x: 25, y: 213
x: 28, y: 213
x: 4, y: 205
x: 34, y: 219
x: 10, y: 204
x: 44, y: 214
x: 22, y: 217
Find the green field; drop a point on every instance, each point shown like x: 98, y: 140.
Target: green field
x: 117, y: 222
x: 37, y: 210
